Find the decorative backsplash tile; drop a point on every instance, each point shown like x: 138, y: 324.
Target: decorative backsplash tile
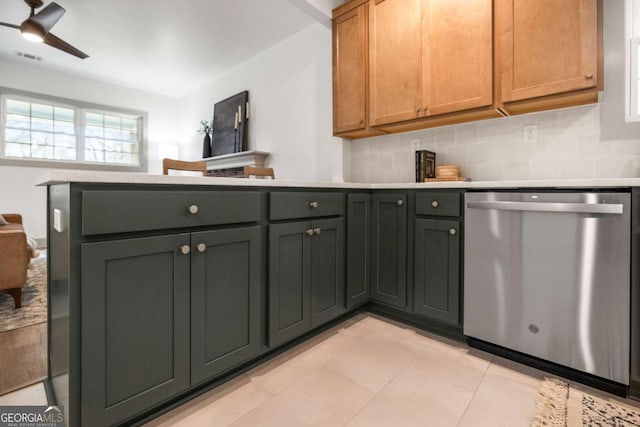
x: 569, y: 146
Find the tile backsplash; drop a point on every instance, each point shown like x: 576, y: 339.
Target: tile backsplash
x: 569, y: 145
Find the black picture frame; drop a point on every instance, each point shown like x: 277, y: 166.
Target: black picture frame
x: 230, y: 119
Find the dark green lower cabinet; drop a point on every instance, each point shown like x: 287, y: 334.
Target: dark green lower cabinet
x: 389, y: 249
x: 327, y: 271
x: 135, y: 326
x: 225, y: 300
x: 437, y: 270
x: 358, y: 248
x: 306, y: 276
x: 289, y: 281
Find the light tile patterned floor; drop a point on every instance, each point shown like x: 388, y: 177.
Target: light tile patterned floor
x: 367, y: 371
x: 370, y: 371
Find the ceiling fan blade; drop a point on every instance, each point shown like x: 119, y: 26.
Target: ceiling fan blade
x: 48, y: 16
x: 58, y: 43
x: 10, y: 25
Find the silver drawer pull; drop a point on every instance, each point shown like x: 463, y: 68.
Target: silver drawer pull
x: 400, y: 202
x: 594, y: 208
x: 435, y: 204
x: 317, y: 230
x: 185, y: 249
x: 309, y: 232
x: 313, y: 205
x: 201, y: 247
x: 193, y: 209
x: 453, y: 232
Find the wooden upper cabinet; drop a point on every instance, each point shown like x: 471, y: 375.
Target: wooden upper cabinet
x: 394, y: 60
x: 457, y: 55
x: 349, y: 70
x: 547, y: 47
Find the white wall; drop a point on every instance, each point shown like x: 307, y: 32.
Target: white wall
x: 584, y: 142
x: 291, y: 107
x: 17, y: 190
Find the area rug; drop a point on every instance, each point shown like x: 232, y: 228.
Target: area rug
x: 562, y: 405
x: 34, y: 299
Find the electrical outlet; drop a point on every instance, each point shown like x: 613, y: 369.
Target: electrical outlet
x: 415, y: 144
x: 531, y: 134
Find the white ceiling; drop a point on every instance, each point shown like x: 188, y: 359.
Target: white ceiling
x: 164, y: 46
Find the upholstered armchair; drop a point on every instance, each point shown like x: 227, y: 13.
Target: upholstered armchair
x: 14, y: 257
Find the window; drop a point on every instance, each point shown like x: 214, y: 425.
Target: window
x: 633, y: 31
x: 67, y: 134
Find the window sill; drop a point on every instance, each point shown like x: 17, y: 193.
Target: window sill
x: 61, y: 164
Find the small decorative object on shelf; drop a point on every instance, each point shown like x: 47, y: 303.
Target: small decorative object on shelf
x: 206, y: 142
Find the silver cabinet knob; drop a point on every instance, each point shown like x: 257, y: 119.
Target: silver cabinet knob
x: 193, y: 209
x: 201, y: 247
x: 453, y: 231
x: 317, y: 230
x: 309, y: 232
x: 185, y: 249
x: 435, y: 204
x: 313, y: 205
x: 400, y: 202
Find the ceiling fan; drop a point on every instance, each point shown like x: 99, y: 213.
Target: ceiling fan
x: 37, y: 26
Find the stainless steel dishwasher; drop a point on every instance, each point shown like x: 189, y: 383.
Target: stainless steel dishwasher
x: 548, y: 275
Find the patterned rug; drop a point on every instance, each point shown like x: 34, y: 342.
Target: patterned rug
x: 562, y: 405
x: 34, y: 299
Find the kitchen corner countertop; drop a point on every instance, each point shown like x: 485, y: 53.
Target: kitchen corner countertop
x: 68, y: 176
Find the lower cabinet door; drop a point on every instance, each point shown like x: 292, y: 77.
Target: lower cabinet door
x: 389, y: 249
x: 437, y: 270
x: 358, y: 248
x: 289, y: 280
x: 327, y: 271
x: 225, y: 300
x: 135, y: 326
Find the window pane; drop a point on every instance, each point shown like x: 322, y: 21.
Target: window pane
x: 117, y: 136
x: 13, y: 149
x: 64, y: 153
x: 94, y: 155
x: 17, y: 135
x: 18, y: 107
x: 92, y: 131
x: 93, y: 119
x: 65, y: 128
x: 64, y: 114
x: 41, y: 152
x: 112, y: 122
x: 42, y: 124
x: 18, y: 122
x: 42, y: 111
x: 65, y: 141
x: 41, y: 138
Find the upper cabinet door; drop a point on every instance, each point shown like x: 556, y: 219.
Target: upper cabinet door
x: 547, y: 46
x: 394, y: 61
x: 457, y: 55
x: 349, y: 70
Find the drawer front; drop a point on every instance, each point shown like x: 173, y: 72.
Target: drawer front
x: 287, y: 205
x: 438, y: 204
x: 105, y: 212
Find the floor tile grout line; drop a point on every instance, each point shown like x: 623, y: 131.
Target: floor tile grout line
x: 484, y: 374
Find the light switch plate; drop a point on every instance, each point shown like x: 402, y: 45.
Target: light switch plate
x: 57, y: 220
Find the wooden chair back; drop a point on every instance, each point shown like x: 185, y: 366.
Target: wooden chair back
x: 255, y: 171
x: 182, y: 165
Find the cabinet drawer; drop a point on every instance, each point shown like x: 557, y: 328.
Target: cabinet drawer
x: 286, y: 205
x: 105, y: 212
x: 438, y: 204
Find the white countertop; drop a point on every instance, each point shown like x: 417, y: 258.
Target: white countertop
x: 65, y: 176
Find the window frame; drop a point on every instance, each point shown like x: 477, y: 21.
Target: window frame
x: 80, y: 109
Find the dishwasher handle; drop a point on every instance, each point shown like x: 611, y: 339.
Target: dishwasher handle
x: 594, y: 208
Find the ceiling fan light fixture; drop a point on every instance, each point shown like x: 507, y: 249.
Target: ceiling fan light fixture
x: 32, y: 31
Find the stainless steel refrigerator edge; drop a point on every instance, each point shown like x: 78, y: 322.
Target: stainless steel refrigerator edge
x: 548, y: 275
